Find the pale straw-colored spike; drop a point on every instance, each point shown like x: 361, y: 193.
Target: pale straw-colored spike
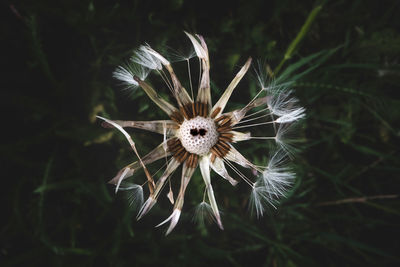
x: 128, y: 137
x: 146, y: 207
x: 174, y: 218
x: 219, y: 167
x: 228, y: 92
x: 205, y: 172
x: 234, y: 156
x: 187, y: 173
x: 165, y: 144
x: 170, y: 127
x: 238, y: 114
x: 152, y: 156
x: 170, y: 195
x: 204, y: 92
x: 239, y: 136
x: 126, y: 170
x: 172, y: 166
x: 158, y: 100
x: 179, y: 91
x: 198, y: 48
x: 204, y: 45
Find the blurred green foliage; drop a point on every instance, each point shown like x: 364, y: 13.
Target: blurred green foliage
x: 56, y: 159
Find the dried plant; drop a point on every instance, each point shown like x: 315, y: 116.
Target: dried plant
x: 202, y: 134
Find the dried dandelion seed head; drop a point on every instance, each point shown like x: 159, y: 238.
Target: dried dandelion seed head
x: 199, y: 133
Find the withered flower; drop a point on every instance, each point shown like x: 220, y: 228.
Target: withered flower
x: 202, y: 134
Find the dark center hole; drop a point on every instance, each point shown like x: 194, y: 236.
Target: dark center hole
x: 195, y: 132
x: 202, y: 132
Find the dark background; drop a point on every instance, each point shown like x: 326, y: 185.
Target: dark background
x: 57, y: 63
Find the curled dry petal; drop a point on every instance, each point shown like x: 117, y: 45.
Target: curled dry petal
x: 238, y: 136
x: 205, y: 172
x: 153, y: 126
x: 200, y: 52
x: 204, y: 93
x: 152, y: 156
x: 187, y: 173
x: 158, y: 100
x: 146, y: 207
x: 180, y: 93
x: 174, y: 218
x: 238, y: 158
x: 219, y: 167
x: 172, y: 166
x: 228, y: 92
x: 238, y: 114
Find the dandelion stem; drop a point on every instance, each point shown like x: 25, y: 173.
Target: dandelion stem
x: 254, y: 98
x: 256, y: 118
x: 200, y: 72
x: 263, y: 137
x: 247, y: 180
x: 254, y: 113
x: 166, y: 80
x: 146, y: 171
x: 190, y: 78
x: 251, y: 125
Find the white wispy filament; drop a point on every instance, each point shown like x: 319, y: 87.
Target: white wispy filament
x: 127, y: 73
x: 291, y: 116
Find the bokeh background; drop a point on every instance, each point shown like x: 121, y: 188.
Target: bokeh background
x: 56, y: 159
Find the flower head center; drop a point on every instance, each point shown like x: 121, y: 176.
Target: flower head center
x: 195, y: 132
x: 198, y: 135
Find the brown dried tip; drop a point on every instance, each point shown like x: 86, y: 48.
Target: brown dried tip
x: 215, y: 112
x: 220, y: 118
x: 224, y: 145
x: 224, y: 139
x: 215, y: 151
x: 194, y: 110
x: 198, y: 108
x: 222, y: 149
x: 205, y: 111
x: 224, y: 129
x: 227, y: 135
x: 225, y: 122
x: 173, y: 144
x: 195, y: 160
x: 183, y: 157
x: 184, y: 112
x: 213, y: 157
x: 177, y: 117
